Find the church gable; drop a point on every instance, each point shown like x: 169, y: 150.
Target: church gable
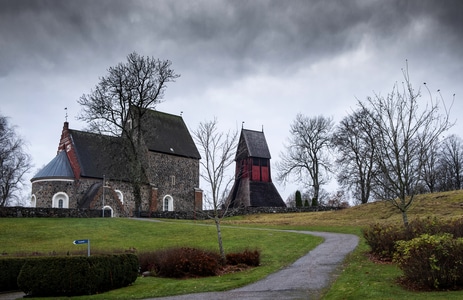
x: 166, y: 133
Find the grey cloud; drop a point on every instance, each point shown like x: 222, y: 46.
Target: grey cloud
x: 232, y: 36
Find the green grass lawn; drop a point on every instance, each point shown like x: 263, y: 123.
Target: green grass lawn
x: 359, y: 277
x: 55, y: 235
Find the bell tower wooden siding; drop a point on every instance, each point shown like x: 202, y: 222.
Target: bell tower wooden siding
x: 254, y: 168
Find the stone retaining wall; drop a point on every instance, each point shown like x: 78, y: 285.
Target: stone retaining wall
x: 32, y: 212
x: 205, y: 214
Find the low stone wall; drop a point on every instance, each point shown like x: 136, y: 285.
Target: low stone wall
x: 32, y: 212
x: 205, y: 214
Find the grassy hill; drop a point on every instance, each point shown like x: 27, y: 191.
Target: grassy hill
x: 441, y: 205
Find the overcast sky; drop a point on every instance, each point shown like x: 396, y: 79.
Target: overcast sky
x: 258, y: 62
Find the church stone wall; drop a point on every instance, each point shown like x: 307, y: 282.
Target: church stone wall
x: 175, y: 176
x: 75, y: 190
x: 45, y: 190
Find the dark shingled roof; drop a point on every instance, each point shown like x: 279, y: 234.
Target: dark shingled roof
x: 99, y: 155
x: 264, y: 194
x: 255, y: 193
x: 58, y: 167
x: 168, y: 133
x: 254, y: 143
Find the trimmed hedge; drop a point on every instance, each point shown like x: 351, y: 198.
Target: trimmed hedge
x: 10, y: 270
x: 72, y: 276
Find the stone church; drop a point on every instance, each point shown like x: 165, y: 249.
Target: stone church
x: 253, y: 186
x: 89, y: 170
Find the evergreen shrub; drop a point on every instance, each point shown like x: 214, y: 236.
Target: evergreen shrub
x: 298, y: 199
x: 10, y: 268
x: 77, y: 275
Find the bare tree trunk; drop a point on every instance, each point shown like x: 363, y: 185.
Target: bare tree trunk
x: 405, y: 218
x: 219, y: 236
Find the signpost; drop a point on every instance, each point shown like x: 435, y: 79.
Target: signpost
x: 79, y: 242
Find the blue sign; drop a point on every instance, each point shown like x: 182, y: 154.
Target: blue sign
x: 78, y: 242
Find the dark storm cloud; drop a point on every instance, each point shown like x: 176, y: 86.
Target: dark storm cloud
x: 42, y: 34
x: 235, y: 36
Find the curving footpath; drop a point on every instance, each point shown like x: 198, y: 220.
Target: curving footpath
x: 304, y: 279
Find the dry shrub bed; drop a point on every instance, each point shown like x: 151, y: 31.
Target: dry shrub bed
x: 187, y: 262
x: 429, y: 252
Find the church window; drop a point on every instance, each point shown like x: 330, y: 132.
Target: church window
x: 168, y: 203
x: 172, y: 180
x: 33, y: 201
x: 60, y: 200
x: 120, y: 196
x: 108, y: 211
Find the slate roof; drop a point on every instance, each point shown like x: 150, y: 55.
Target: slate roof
x: 255, y: 194
x: 252, y: 144
x: 58, y: 167
x: 99, y: 155
x: 264, y: 194
x: 166, y: 133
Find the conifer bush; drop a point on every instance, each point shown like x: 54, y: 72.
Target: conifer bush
x: 77, y: 275
x: 10, y: 268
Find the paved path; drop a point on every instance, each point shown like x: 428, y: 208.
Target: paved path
x: 304, y: 279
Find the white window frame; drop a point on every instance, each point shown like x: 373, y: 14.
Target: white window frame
x: 170, y: 203
x: 120, y: 195
x: 60, y: 196
x: 110, y: 208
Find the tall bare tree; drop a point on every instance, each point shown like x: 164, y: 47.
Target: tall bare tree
x: 451, y: 159
x: 306, y: 155
x: 354, y: 142
x: 403, y: 133
x: 431, y: 171
x: 217, y: 151
x: 14, y: 162
x: 118, y: 102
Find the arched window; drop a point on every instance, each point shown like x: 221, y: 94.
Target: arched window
x: 120, y: 196
x: 168, y: 203
x: 108, y: 208
x: 33, y: 201
x: 60, y: 200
